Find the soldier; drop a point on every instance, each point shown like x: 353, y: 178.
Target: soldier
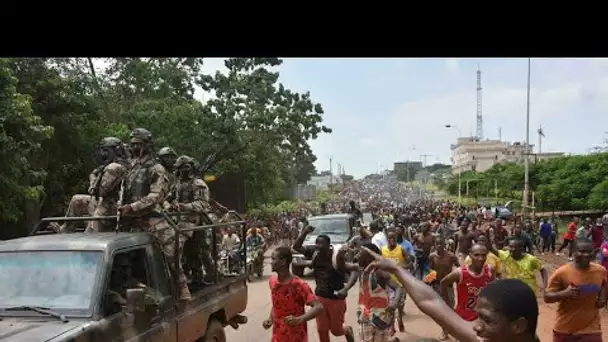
x: 192, y: 196
x: 167, y: 157
x: 106, y: 188
x: 81, y: 204
x: 146, y: 186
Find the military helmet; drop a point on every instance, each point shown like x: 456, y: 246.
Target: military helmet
x: 183, y: 160
x: 141, y: 133
x: 110, y: 142
x: 166, y: 151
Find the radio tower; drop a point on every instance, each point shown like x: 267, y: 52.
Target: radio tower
x: 479, y: 133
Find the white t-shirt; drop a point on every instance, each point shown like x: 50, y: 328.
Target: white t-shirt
x: 231, y: 242
x: 379, y: 239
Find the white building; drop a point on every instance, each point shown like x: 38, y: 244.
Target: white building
x: 322, y: 182
x: 471, y: 155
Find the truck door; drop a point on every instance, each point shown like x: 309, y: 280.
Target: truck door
x: 161, y: 278
x: 133, y: 268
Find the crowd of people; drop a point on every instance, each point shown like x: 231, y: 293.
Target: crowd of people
x: 474, y: 275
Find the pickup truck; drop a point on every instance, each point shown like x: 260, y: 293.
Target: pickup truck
x: 107, y: 287
x: 336, y: 226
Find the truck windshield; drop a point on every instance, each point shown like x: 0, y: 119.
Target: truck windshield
x: 337, y: 229
x: 58, y: 280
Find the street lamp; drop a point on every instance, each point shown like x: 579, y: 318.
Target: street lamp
x: 527, y: 155
x: 458, y: 168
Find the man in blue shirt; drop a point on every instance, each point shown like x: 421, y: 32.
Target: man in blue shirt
x: 407, y: 246
x: 545, y: 234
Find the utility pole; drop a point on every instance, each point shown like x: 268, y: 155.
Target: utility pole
x: 331, y: 171
x: 423, y: 156
x: 457, y: 164
x: 527, y: 152
x: 479, y: 116
x: 541, y: 135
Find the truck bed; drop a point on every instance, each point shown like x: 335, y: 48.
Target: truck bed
x: 221, y: 302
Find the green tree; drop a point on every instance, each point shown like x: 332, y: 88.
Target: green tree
x: 566, y: 183
x: 21, y: 136
x: 252, y: 125
x: 258, y: 111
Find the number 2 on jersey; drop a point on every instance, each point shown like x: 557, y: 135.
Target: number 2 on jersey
x: 471, y: 303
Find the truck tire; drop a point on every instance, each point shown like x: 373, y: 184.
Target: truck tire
x: 297, y: 271
x: 215, y: 332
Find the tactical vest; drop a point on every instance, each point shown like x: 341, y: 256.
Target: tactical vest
x: 137, y: 184
x: 185, y: 194
x: 172, y: 182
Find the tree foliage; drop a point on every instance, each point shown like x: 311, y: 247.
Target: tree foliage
x: 54, y: 110
x: 566, y: 183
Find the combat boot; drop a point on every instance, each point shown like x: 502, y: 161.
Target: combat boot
x: 184, y: 294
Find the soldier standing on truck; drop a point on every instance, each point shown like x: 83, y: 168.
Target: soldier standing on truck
x: 107, y: 185
x: 81, y: 204
x: 167, y: 157
x: 146, y: 186
x: 192, y: 197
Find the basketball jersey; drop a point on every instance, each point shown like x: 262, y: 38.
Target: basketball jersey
x: 467, y: 291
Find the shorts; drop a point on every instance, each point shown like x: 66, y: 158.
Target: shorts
x: 392, y: 293
x: 451, y: 295
x: 332, y: 316
x: 369, y: 333
x: 461, y: 257
x: 561, y: 337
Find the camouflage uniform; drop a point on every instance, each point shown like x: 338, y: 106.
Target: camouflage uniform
x: 146, y: 186
x: 167, y: 157
x: 193, y: 195
x: 80, y: 205
x: 107, y: 185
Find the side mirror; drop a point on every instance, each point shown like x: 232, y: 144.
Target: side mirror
x: 135, y: 301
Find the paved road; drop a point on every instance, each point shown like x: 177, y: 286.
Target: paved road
x: 417, y: 325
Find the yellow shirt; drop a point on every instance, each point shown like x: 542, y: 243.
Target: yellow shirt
x: 523, y: 269
x: 396, y: 254
x: 491, y: 260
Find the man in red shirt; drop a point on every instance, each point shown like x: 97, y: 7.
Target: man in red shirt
x: 469, y: 280
x: 290, y: 295
x: 569, y: 237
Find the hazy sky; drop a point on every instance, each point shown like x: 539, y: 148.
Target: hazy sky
x: 380, y: 108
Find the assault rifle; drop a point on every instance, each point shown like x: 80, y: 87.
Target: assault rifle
x: 208, y: 164
x: 94, y: 189
x: 119, y: 203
